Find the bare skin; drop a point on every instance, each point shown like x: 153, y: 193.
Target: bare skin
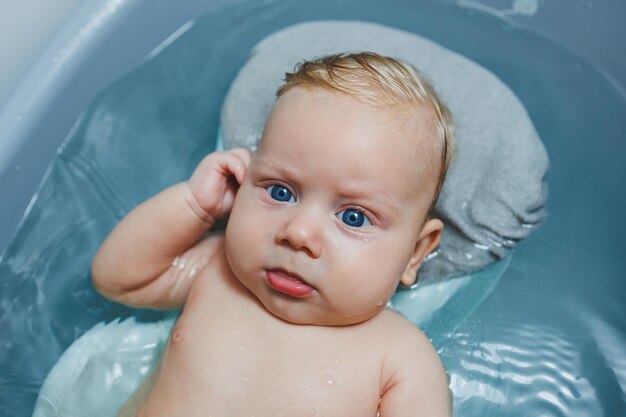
x: 322, y: 199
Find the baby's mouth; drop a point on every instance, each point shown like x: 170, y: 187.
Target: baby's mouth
x: 288, y: 283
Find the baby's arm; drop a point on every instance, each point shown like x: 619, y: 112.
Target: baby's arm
x: 137, y: 264
x: 416, y: 382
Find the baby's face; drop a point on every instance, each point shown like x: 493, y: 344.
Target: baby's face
x: 336, y: 194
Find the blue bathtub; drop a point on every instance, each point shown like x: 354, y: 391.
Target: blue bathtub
x: 550, y: 339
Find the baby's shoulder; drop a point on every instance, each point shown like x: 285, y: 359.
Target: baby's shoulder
x: 412, y: 371
x: 406, y: 344
x: 398, y: 328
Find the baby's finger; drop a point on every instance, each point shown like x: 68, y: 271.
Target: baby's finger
x: 231, y: 163
x: 244, y: 153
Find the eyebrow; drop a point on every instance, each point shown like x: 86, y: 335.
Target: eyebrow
x: 386, y: 208
x: 264, y: 162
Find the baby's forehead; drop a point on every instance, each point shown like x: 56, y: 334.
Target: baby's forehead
x: 417, y: 121
x: 396, y: 142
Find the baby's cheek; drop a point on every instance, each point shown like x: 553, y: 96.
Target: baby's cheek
x: 373, y: 279
x: 361, y: 290
x: 243, y: 234
x: 239, y: 216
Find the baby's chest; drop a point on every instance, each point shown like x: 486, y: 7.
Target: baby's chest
x: 273, y: 370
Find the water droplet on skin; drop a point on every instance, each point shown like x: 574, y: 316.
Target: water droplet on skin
x: 380, y: 303
x: 180, y: 262
x: 241, y: 348
x: 337, y: 360
x: 327, y: 381
x: 241, y: 377
x: 192, y: 273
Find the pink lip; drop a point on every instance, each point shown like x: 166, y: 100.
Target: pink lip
x: 288, y: 283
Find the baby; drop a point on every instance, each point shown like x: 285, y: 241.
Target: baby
x: 283, y: 313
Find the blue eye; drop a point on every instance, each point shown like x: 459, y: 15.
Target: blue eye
x: 353, y: 218
x: 280, y: 193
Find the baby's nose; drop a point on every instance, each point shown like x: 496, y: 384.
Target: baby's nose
x: 302, y: 232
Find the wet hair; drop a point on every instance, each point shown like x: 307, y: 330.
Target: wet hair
x: 381, y: 82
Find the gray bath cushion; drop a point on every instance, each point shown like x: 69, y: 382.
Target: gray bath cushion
x: 494, y: 194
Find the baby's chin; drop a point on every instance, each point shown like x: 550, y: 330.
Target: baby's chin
x: 301, y: 313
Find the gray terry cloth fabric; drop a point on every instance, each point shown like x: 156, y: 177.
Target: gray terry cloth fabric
x: 494, y: 194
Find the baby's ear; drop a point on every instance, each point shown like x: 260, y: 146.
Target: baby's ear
x: 426, y: 243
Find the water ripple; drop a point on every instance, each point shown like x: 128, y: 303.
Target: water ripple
x: 529, y: 365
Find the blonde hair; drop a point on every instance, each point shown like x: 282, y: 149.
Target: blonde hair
x: 381, y: 82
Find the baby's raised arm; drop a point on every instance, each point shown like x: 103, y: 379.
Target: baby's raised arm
x: 152, y: 256
x: 416, y: 384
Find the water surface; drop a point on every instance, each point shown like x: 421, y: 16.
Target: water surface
x: 550, y: 339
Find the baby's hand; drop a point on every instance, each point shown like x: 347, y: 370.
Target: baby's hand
x: 215, y: 182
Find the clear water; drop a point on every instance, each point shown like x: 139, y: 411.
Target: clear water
x: 550, y: 339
